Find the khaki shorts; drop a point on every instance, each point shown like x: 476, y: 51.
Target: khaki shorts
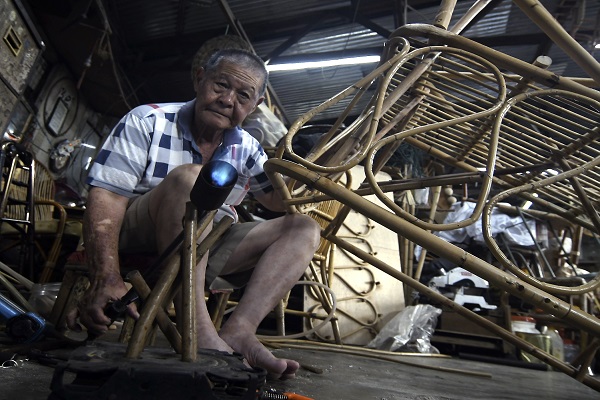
x: 137, y: 237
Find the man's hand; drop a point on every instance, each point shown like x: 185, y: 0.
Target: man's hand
x: 101, y: 226
x: 90, y: 310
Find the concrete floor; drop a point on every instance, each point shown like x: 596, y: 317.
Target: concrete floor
x: 328, y: 374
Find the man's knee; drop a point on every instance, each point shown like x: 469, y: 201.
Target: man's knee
x: 301, y: 225
x: 182, y: 178
x: 170, y: 196
x: 178, y: 183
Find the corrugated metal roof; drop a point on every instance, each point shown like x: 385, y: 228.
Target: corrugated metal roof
x: 154, y: 40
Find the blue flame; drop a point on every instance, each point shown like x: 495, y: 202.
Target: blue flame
x: 222, y: 174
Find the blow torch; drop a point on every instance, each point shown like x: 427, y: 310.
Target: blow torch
x: 214, y: 183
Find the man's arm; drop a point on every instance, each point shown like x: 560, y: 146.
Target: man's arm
x: 271, y: 200
x: 102, y: 224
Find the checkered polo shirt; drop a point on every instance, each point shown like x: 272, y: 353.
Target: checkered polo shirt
x: 151, y: 140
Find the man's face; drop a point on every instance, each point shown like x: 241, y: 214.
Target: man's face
x: 226, y: 96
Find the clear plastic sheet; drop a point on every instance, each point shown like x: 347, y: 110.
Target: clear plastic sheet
x: 512, y: 227
x: 264, y: 125
x: 409, y: 331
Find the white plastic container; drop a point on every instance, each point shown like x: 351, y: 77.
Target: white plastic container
x: 524, y: 327
x: 557, y: 348
x: 521, y: 324
x: 43, y: 296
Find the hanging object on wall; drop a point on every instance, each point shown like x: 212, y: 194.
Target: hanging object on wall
x: 60, y: 107
x: 57, y: 116
x: 61, y: 154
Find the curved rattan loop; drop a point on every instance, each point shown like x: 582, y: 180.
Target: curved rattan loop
x: 498, y: 278
x: 361, y: 86
x: 486, y: 224
x: 504, y: 260
x: 489, y: 171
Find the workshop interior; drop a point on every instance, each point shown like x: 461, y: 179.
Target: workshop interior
x: 448, y: 149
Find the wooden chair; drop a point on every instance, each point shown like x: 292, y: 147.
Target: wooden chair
x: 31, y: 221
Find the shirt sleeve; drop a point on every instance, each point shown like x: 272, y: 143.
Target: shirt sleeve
x: 122, y: 160
x: 259, y: 181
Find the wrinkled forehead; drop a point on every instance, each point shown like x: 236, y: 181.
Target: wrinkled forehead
x: 248, y: 77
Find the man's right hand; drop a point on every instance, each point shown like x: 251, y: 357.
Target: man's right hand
x: 90, y: 310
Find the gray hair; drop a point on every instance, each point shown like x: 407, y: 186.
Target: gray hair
x: 213, y: 45
x: 243, y: 58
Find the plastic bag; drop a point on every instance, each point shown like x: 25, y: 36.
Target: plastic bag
x: 409, y: 331
x: 513, y: 228
x: 264, y: 126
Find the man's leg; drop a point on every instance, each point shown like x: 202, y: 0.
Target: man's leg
x: 167, y: 210
x: 285, y: 246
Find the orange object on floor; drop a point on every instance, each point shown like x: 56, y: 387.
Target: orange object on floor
x: 294, y: 396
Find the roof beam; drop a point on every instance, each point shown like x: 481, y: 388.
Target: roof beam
x: 367, y: 23
x: 293, y: 39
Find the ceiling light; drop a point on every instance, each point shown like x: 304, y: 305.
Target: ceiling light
x: 323, y: 63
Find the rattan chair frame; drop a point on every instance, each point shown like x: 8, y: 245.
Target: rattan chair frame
x: 504, y: 122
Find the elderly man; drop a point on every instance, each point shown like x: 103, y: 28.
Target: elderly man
x: 142, y: 178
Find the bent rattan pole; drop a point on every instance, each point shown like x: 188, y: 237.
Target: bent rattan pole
x: 162, y: 318
x: 498, y: 278
x: 586, y: 203
x: 495, y: 249
x: 547, y: 23
x: 189, y: 339
x: 158, y: 295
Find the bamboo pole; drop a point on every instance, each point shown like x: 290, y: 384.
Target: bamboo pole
x: 189, y: 339
x: 454, y: 254
x: 547, y: 23
x: 162, y: 318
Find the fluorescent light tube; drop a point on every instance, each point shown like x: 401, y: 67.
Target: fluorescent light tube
x: 323, y: 63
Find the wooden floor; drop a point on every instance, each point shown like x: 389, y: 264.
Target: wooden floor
x: 328, y: 374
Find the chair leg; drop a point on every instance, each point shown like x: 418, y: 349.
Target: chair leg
x: 280, y: 317
x: 126, y: 329
x: 217, y: 304
x: 74, y: 284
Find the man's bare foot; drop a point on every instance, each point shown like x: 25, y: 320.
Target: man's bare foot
x: 214, y: 342
x: 258, y: 355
